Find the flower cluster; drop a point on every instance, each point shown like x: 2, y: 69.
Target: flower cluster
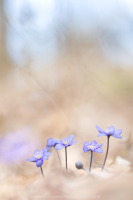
x: 93, y: 147
x: 39, y: 156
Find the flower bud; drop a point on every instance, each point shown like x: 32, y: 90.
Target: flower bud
x: 79, y: 165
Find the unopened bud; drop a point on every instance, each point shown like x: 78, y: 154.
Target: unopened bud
x: 79, y: 165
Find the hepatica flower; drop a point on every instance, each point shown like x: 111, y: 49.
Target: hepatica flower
x: 110, y: 131
x: 38, y: 157
x: 93, y: 147
x: 64, y: 143
x: 51, y: 143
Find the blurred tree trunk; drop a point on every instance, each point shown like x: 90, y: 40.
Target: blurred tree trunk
x: 5, y: 62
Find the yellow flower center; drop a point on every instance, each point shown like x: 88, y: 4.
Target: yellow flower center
x: 38, y: 156
x: 91, y: 147
x: 65, y: 142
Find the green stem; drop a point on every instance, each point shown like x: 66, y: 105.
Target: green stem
x: 108, y: 136
x: 66, y: 156
x: 42, y: 171
x: 91, y: 158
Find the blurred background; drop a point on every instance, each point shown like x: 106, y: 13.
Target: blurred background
x: 65, y: 67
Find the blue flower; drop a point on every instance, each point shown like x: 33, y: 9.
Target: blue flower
x: 65, y: 142
x: 51, y: 143
x: 38, y: 156
x: 92, y: 147
x: 110, y: 131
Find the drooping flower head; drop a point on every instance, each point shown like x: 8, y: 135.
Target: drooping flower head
x: 110, y: 131
x: 51, y: 143
x: 38, y: 156
x: 65, y: 142
x: 92, y: 147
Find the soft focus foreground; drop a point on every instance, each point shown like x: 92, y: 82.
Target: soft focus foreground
x: 71, y: 94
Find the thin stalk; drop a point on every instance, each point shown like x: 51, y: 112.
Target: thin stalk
x: 91, y: 158
x: 66, y: 156
x: 85, y: 170
x: 58, y: 158
x: 42, y: 171
x: 108, y: 136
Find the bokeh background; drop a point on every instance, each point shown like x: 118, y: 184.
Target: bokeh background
x: 65, y: 67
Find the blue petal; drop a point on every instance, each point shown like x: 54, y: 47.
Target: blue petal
x: 74, y: 142
x: 99, y: 150
x: 57, y: 141
x: 117, y: 136
x: 50, y: 142
x: 48, y: 148
x: 85, y: 149
x: 36, y: 152
x: 45, y: 150
x: 99, y: 129
x: 39, y: 163
x: 99, y: 145
x: 93, y: 143
x: 45, y: 157
x: 113, y: 128
x: 101, y: 134
x: 70, y: 138
x: 33, y: 159
x: 86, y: 143
x: 118, y: 132
x: 59, y: 146
x: 71, y: 143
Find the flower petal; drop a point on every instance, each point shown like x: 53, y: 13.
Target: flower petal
x: 36, y: 152
x: 86, y: 143
x: 57, y: 141
x: 93, y: 143
x: 101, y: 134
x: 74, y: 142
x: 48, y: 148
x: 45, y: 157
x: 33, y: 159
x: 112, y: 128
x: 85, y: 149
x: 117, y: 136
x: 99, y: 129
x: 98, y: 146
x: 48, y: 154
x: 59, y: 146
x: 99, y: 150
x: 39, y: 163
x: 44, y: 150
x: 50, y: 142
x: 70, y: 138
x: 118, y: 132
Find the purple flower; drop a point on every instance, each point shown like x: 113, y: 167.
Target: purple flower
x: 38, y: 157
x: 110, y: 131
x: 65, y: 142
x: 15, y: 145
x: 92, y: 147
x: 51, y: 143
